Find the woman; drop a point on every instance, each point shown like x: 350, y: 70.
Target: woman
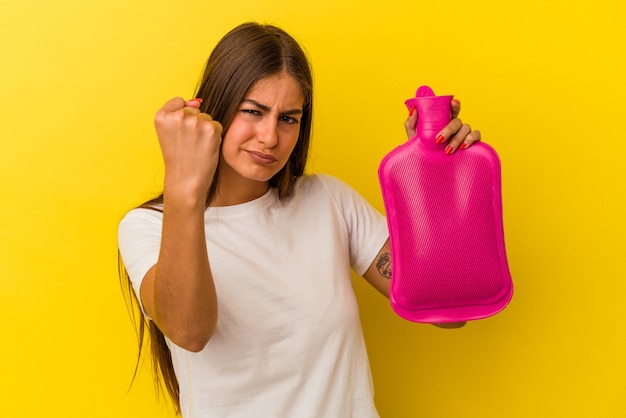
x: 242, y: 267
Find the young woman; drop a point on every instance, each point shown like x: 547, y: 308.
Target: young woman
x: 242, y: 267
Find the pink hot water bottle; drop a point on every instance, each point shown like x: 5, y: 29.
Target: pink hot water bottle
x: 444, y: 214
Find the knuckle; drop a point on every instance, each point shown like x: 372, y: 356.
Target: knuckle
x: 165, y: 120
x: 159, y: 117
x: 206, y: 130
x: 211, y: 129
x: 218, y: 127
x: 190, y: 121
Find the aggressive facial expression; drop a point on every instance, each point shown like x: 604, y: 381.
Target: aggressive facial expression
x: 264, y: 131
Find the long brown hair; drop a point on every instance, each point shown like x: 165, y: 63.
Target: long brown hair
x: 242, y: 57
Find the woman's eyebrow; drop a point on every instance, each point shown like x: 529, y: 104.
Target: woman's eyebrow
x: 266, y: 108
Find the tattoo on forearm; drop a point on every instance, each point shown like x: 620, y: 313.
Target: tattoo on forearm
x: 383, y: 264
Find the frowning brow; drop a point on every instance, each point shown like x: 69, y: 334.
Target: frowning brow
x: 266, y: 108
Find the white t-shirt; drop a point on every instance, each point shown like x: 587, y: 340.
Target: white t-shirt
x: 288, y: 341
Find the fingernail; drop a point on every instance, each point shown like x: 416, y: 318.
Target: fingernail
x: 412, y: 111
x: 449, y: 150
x: 440, y: 138
x: 464, y: 145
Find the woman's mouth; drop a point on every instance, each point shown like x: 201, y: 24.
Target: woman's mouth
x: 261, y: 157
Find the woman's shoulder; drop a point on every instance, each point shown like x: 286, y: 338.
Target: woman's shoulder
x: 323, y: 186
x: 144, y: 214
x: 321, y: 179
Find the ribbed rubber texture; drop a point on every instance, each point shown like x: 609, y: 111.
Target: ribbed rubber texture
x: 447, y: 240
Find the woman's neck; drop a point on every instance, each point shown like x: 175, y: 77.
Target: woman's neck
x: 232, y: 189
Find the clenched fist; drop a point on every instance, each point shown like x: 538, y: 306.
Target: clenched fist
x: 190, y: 144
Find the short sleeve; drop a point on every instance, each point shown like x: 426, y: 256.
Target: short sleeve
x: 139, y: 242
x: 366, y: 226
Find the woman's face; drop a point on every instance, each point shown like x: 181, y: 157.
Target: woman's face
x: 264, y: 131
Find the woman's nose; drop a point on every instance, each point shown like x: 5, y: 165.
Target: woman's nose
x: 268, y: 133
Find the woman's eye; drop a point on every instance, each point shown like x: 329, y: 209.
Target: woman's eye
x: 251, y: 112
x: 288, y: 119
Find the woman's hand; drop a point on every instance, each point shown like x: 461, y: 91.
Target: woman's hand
x: 190, y: 143
x: 456, y: 133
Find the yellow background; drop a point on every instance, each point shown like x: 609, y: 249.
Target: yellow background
x: 543, y: 81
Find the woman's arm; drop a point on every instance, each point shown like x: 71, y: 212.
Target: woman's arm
x: 378, y: 273
x: 178, y: 292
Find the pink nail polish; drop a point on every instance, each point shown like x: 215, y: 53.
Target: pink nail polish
x: 464, y: 145
x: 412, y: 111
x: 439, y: 139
